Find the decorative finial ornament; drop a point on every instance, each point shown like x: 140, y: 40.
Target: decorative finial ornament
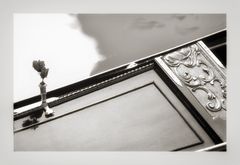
x: 39, y: 66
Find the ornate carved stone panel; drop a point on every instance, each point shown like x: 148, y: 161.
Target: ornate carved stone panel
x: 196, y: 68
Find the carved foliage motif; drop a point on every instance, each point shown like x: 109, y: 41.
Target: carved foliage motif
x: 193, y: 69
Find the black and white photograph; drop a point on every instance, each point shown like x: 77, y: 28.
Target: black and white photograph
x: 120, y: 82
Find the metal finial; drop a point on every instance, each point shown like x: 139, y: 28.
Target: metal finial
x: 39, y: 66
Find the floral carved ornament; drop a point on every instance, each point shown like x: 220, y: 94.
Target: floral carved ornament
x: 198, y: 74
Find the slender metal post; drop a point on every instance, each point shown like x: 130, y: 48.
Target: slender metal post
x: 48, y: 111
x: 39, y: 66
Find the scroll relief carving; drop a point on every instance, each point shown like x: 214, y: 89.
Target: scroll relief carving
x: 200, y: 76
